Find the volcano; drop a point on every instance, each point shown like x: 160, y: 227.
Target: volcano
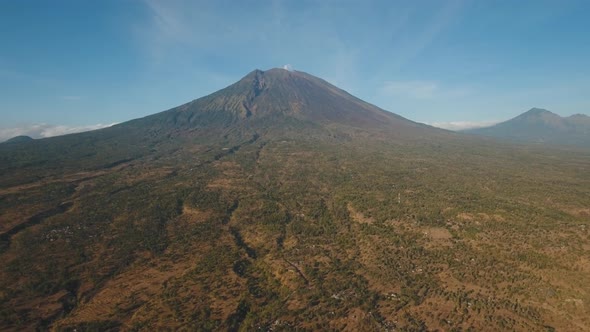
x: 284, y: 203
x: 279, y: 94
x: 542, y: 127
x: 278, y: 103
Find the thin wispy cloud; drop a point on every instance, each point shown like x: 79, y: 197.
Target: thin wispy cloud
x: 21, y: 76
x: 411, y: 89
x: 179, y: 26
x: 43, y: 130
x: 71, y: 98
x: 420, y: 90
x: 410, y: 44
x: 176, y: 28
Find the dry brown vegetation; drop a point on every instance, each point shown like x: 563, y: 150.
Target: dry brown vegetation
x: 278, y: 250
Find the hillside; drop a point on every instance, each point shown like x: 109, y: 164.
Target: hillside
x: 284, y: 203
x: 542, y: 126
x: 19, y: 139
x: 276, y: 104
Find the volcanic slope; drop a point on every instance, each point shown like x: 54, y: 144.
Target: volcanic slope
x: 282, y: 202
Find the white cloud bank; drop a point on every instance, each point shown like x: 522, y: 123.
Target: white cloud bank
x: 462, y: 125
x: 43, y: 130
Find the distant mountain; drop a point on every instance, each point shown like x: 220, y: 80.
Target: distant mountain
x: 19, y: 139
x: 541, y: 126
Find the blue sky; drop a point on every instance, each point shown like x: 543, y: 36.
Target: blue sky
x: 80, y: 64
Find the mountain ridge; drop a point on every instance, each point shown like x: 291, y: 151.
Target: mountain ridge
x: 539, y: 125
x: 280, y: 92
x: 19, y: 139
